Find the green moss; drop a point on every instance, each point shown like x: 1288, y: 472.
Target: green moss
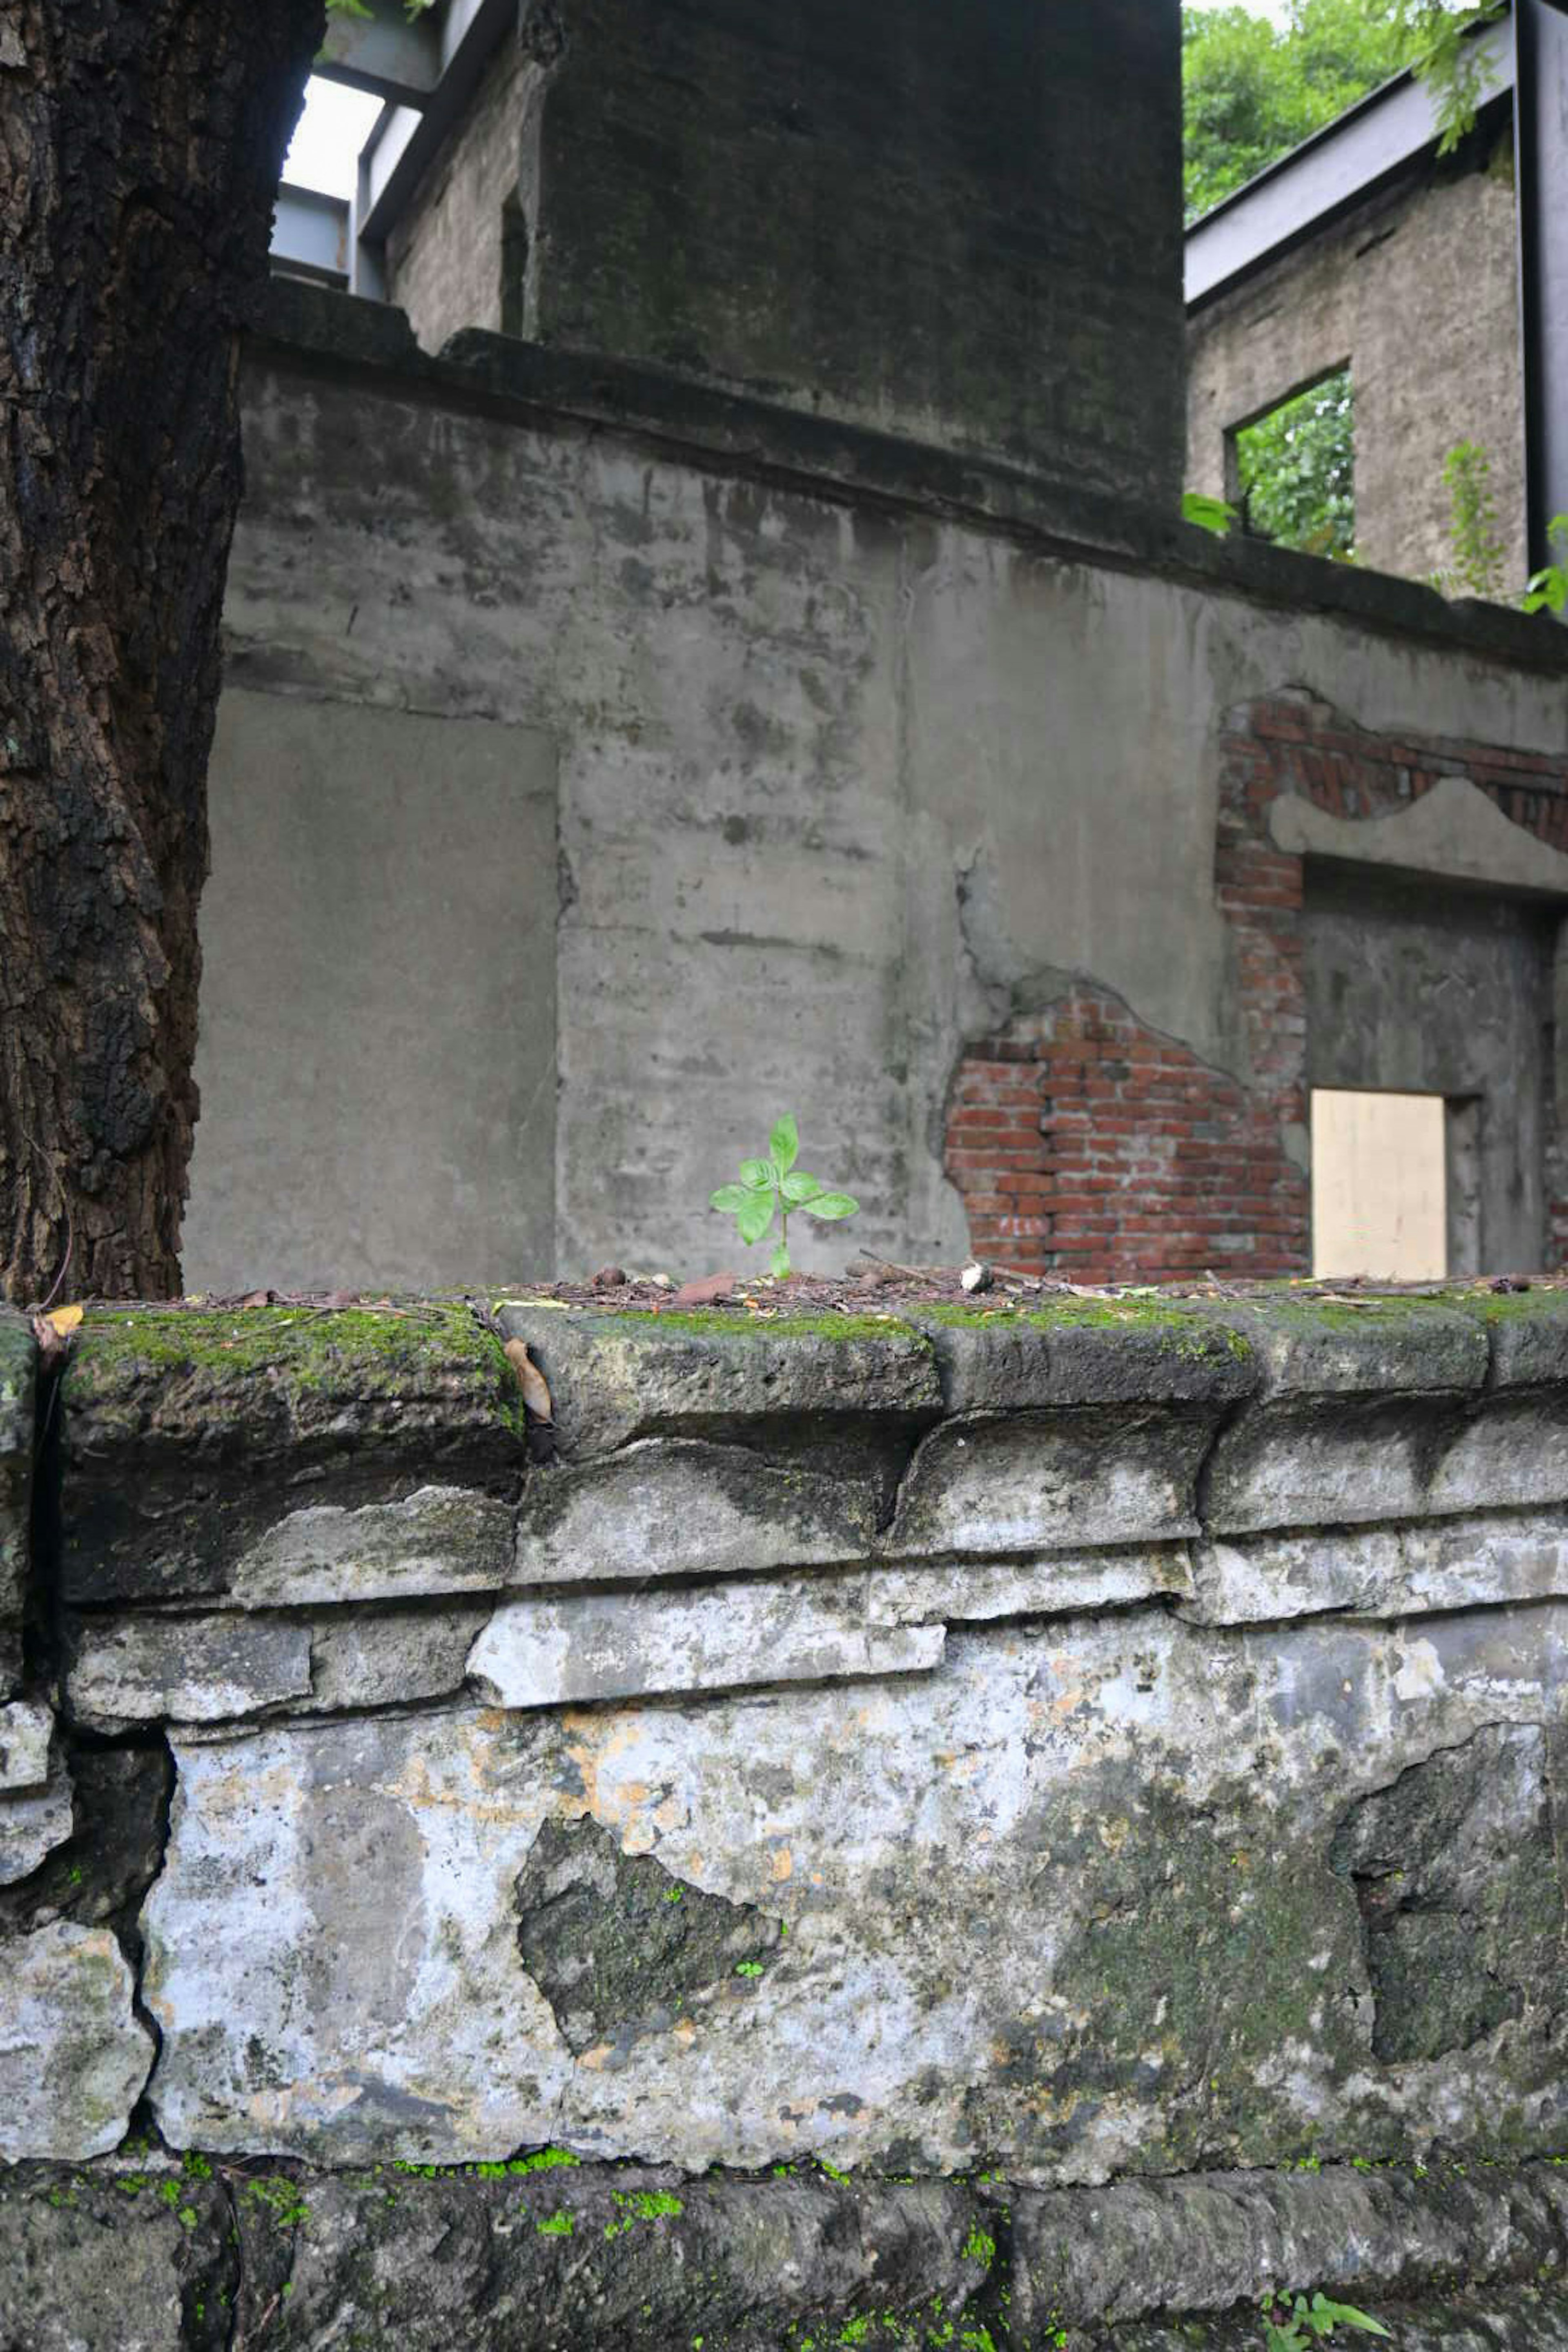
x: 718, y: 1321
x: 979, y: 2248
x: 413, y: 1348
x: 555, y: 2225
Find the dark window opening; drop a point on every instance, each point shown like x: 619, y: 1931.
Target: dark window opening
x: 1293, y: 470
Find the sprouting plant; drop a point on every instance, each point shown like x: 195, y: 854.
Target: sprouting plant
x: 775, y: 1183
x: 1478, y: 553
x: 1292, y: 2328
x: 1548, y: 589
x: 1209, y: 514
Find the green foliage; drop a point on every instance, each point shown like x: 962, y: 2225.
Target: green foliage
x: 1476, y: 550
x: 1547, y: 591
x: 1431, y: 34
x: 1292, y: 2327
x: 776, y: 1185
x: 1250, y: 94
x: 1296, y: 470
x: 1209, y: 514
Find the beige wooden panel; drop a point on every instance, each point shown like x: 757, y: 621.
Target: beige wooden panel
x: 1378, y: 1189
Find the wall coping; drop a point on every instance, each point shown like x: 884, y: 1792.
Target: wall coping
x: 741, y: 434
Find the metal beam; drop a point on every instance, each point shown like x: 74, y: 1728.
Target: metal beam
x: 1326, y: 174
x: 310, y: 234
x: 390, y: 54
x: 1541, y: 134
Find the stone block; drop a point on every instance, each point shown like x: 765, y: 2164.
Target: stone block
x: 391, y: 1656
x: 74, y: 2058
x: 1127, y: 1352
x: 19, y: 1387
x: 1324, y: 1461
x: 126, y: 1670
x: 1061, y: 1583
x: 1380, y: 1571
x: 615, y: 1377
x: 210, y: 1452
x: 33, y: 1823
x: 676, y: 1506
x: 696, y: 1637
x: 1047, y: 1482
x: 25, y: 1730
x: 107, y: 2262
x: 854, y: 1919
x: 1361, y: 1347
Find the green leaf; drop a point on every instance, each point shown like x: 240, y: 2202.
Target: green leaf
x: 800, y: 1188
x: 757, y: 1175
x: 730, y: 1198
x: 1209, y: 514
x: 1345, y: 2315
x: 831, y: 1204
x: 1548, y: 590
x: 784, y: 1143
x: 754, y: 1215
x: 779, y: 1262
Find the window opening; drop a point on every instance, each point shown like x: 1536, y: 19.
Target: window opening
x: 1292, y: 469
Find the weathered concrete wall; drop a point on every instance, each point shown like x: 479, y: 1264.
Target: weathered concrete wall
x: 1418, y: 291
x: 377, y: 1050
x: 1074, y: 1746
x: 951, y: 225
x: 849, y: 776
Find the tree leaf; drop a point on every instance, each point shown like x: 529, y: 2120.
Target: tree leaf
x: 800, y: 1188
x: 756, y: 1175
x: 779, y: 1262
x: 831, y: 1204
x: 754, y: 1216
x: 64, y: 1320
x: 730, y: 1198
x: 784, y: 1143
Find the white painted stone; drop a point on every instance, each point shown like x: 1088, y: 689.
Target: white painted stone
x: 25, y: 1730
x: 438, y: 1540
x: 963, y: 1860
x: 331, y: 1952
x: 193, y: 1669
x: 665, y: 1507
x: 1060, y: 1583
x: 33, y: 1824
x: 1381, y: 1571
x: 73, y: 2056
x: 716, y: 1637
x: 1051, y: 1481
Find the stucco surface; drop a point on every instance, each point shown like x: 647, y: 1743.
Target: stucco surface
x: 838, y: 789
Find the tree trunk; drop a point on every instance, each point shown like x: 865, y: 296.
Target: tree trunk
x: 139, y: 147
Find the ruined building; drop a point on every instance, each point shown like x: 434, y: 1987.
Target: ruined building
x: 709, y: 633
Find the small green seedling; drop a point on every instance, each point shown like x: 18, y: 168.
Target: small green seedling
x: 775, y: 1183
x: 1306, y: 2320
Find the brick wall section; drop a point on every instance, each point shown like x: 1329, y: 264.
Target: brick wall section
x: 1087, y: 1145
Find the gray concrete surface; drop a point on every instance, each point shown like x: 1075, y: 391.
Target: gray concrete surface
x: 376, y: 1055
x: 840, y: 786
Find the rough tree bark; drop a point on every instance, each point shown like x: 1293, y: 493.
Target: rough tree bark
x: 139, y: 147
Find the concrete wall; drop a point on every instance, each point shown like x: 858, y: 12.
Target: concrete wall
x: 1418, y: 291
x: 1086, y: 1748
x: 377, y: 1045
x: 845, y: 776
x: 950, y: 225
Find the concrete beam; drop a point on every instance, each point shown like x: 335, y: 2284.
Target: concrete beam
x: 1341, y: 165
x: 408, y: 137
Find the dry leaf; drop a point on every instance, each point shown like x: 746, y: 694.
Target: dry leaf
x: 63, y: 1320
x: 710, y: 1291
x: 531, y: 1379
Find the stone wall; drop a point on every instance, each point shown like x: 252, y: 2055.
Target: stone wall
x: 912, y: 1820
x: 1417, y: 290
x: 607, y: 767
